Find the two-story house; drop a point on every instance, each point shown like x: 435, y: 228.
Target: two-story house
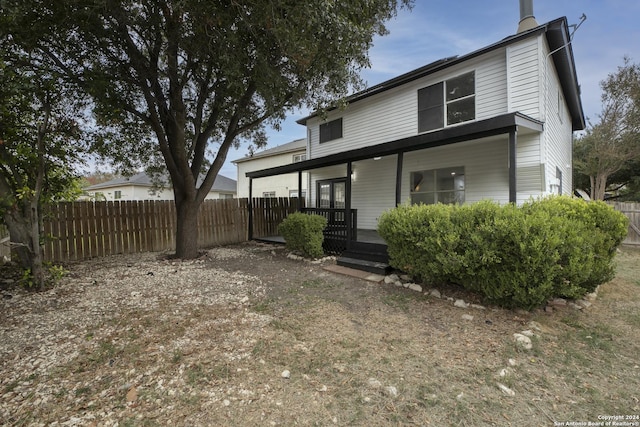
x: 285, y: 185
x: 496, y: 123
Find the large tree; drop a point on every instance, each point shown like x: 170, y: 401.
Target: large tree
x: 612, y: 144
x: 37, y: 131
x: 178, y: 83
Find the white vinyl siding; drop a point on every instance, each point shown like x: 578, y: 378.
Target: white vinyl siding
x: 373, y: 189
x: 491, y: 87
x: 558, y: 135
x: 393, y: 114
x: 523, y: 70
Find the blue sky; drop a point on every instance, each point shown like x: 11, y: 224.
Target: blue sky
x: 435, y: 29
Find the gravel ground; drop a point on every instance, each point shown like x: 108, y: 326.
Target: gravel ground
x: 246, y: 336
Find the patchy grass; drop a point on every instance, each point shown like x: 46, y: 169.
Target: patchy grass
x: 358, y: 354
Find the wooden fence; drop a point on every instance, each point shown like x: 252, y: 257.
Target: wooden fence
x: 631, y: 211
x: 81, y: 230
x: 269, y: 212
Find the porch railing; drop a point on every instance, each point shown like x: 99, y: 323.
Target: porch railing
x: 335, y: 235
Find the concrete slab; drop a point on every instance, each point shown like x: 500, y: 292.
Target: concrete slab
x: 364, y: 275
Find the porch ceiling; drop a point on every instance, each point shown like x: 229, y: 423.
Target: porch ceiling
x: 494, y: 126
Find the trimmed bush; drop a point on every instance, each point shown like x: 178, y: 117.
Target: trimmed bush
x: 516, y: 257
x: 303, y: 233
x: 590, y: 232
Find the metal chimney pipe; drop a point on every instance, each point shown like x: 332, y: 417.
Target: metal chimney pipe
x: 527, y: 20
x: 526, y: 9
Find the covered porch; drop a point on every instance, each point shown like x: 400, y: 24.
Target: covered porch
x: 352, y: 217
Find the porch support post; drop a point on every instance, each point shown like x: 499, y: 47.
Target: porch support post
x: 250, y: 207
x: 399, y: 178
x: 513, y: 144
x: 347, y: 205
x: 299, y: 191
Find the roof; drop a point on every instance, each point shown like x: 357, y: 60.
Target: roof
x: 222, y: 183
x: 557, y: 34
x: 289, y: 147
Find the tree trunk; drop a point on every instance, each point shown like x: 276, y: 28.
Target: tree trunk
x: 187, y: 228
x: 600, y: 186
x: 37, y: 269
x: 24, y: 235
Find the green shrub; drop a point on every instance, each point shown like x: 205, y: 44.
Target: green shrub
x: 419, y: 238
x: 516, y: 257
x: 509, y: 257
x: 590, y: 232
x: 303, y: 233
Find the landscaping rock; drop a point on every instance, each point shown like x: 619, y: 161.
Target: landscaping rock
x: 506, y: 390
x: 374, y: 383
x: 478, y: 307
x: 415, y: 287
x: 583, y: 303
x: 435, y: 293
x: 467, y: 317
x: 460, y: 303
x: 575, y: 306
x: 523, y: 341
x: 406, y: 278
x: 392, y: 278
x: 391, y: 391
x: 558, y: 302
x: 285, y: 374
x: 528, y: 333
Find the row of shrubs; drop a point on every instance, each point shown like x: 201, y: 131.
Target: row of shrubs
x: 514, y: 256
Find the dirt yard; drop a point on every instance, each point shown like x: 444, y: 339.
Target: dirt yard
x: 245, y: 336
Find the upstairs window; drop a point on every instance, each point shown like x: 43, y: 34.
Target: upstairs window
x: 447, y: 103
x: 331, y: 130
x: 299, y: 158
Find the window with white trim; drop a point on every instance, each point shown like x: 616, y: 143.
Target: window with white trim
x: 447, y: 103
x: 299, y: 158
x: 117, y: 194
x: 432, y: 186
x: 267, y: 194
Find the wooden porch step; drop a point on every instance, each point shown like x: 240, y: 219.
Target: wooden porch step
x: 364, y: 265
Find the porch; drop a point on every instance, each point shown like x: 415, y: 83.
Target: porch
x: 478, y: 160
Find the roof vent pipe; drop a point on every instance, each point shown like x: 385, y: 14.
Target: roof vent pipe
x: 527, y: 20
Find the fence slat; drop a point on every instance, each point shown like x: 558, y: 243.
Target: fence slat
x: 631, y: 211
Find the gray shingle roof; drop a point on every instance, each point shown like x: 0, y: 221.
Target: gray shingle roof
x: 222, y: 183
x: 296, y: 145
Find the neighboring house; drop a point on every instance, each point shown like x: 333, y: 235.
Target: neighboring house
x: 141, y: 187
x: 496, y: 123
x: 274, y: 186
